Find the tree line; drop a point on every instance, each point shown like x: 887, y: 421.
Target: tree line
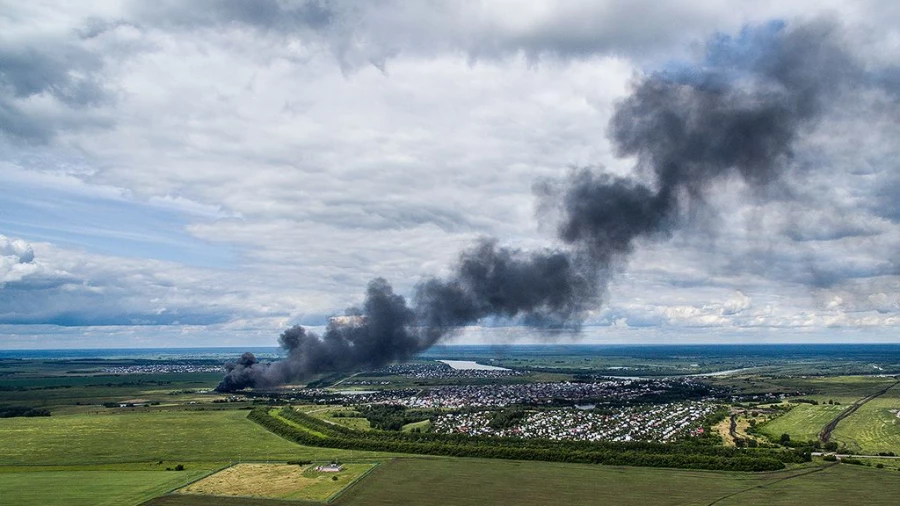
x: 307, y: 430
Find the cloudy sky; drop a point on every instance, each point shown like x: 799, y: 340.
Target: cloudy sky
x: 206, y: 173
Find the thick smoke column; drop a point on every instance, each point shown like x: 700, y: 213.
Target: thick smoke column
x: 736, y: 114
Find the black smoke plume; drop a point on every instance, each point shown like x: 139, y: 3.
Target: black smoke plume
x: 736, y: 114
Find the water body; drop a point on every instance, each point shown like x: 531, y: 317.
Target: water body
x: 470, y: 365
x: 724, y: 373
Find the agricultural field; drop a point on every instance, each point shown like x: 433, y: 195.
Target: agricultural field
x: 425, y: 482
x: 874, y: 427
x: 842, y: 389
x: 803, y: 422
x: 85, y: 453
x: 840, y: 484
x: 340, y: 415
x: 171, y: 436
x: 211, y: 500
x: 75, y: 487
x: 278, y: 481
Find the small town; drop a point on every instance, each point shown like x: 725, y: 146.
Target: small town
x: 439, y: 370
x: 455, y: 397
x: 659, y: 423
x: 161, y: 368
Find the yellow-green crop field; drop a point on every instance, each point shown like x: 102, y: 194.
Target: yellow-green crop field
x: 874, y: 427
x: 803, y: 422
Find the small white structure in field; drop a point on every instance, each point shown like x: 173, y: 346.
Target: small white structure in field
x: 330, y: 468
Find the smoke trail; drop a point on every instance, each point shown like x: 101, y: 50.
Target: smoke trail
x: 736, y: 114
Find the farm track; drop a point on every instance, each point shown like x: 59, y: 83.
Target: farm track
x: 732, y: 427
x: 825, y: 434
x: 773, y: 482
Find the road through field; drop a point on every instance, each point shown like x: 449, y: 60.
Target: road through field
x: 825, y: 435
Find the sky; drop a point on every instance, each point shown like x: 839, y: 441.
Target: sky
x: 209, y: 173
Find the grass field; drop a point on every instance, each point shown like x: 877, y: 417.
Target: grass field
x: 58, y: 392
x: 425, y: 482
x: 327, y: 413
x: 170, y: 436
x: 842, y: 484
x: 843, y: 389
x: 424, y: 426
x: 277, y: 481
x: 802, y: 423
x: 874, y: 427
x: 420, y: 481
x: 89, y: 488
x: 210, y: 500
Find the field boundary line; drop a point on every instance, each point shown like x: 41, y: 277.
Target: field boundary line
x: 334, y: 496
x: 195, y: 480
x: 191, y: 482
x: 773, y: 482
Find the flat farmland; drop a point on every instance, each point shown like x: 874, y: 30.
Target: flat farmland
x: 89, y: 488
x: 211, y: 500
x: 170, y: 436
x: 426, y: 482
x: 843, y: 389
x: 277, y: 481
x: 803, y: 422
x: 874, y: 427
x: 841, y: 484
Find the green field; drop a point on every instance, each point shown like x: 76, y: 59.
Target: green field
x: 874, y: 427
x: 328, y: 413
x: 88, y: 392
x: 86, y: 454
x: 89, y: 488
x: 842, y: 484
x: 842, y: 389
x: 170, y: 436
x: 802, y: 423
x: 425, y: 482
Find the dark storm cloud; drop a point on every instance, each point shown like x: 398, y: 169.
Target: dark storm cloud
x: 66, y: 300
x: 56, y: 68
x: 266, y: 15
x: 52, y: 69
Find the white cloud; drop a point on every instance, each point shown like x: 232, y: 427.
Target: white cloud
x: 326, y: 148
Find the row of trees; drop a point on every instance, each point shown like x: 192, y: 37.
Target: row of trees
x: 310, y: 431
x: 15, y: 411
